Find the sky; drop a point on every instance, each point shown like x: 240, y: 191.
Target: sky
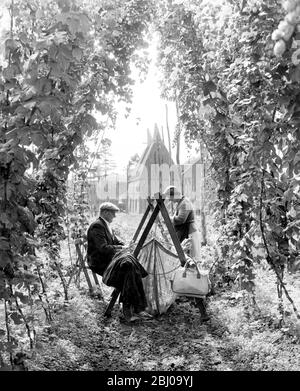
x: 148, y: 108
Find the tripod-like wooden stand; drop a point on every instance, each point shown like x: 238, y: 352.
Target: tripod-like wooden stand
x: 159, y: 207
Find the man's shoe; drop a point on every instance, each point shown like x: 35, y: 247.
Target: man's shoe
x: 144, y: 315
x: 133, y: 318
x: 129, y: 319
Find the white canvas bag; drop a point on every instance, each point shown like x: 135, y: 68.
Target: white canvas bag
x: 190, y: 281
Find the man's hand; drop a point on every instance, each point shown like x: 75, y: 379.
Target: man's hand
x: 131, y: 246
x: 190, y: 262
x: 186, y: 244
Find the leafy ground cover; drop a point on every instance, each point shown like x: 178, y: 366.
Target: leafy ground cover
x: 239, y: 337
x: 233, y: 340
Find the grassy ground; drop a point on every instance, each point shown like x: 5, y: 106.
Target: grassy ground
x: 234, y: 339
x: 239, y: 336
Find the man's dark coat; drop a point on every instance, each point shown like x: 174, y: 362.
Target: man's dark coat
x: 101, y: 246
x: 183, y: 218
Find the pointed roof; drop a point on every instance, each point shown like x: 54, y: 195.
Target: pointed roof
x: 155, y: 139
x: 156, y: 134
x: 149, y: 137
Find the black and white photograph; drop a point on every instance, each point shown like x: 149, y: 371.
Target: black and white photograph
x: 149, y: 189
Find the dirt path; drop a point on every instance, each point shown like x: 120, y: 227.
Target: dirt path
x: 174, y: 341
x: 237, y: 337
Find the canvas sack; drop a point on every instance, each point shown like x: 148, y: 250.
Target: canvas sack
x: 190, y: 281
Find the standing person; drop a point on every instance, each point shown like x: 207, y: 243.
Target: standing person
x: 126, y: 273
x: 185, y: 226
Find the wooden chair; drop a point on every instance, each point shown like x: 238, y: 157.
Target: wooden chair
x: 81, y: 257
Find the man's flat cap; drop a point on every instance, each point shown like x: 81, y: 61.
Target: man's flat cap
x: 172, y: 191
x: 108, y: 206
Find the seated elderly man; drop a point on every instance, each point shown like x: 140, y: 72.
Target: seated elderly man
x: 125, y: 273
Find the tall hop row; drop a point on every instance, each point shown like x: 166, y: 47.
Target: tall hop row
x: 287, y: 26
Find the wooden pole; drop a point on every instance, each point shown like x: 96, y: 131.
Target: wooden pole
x: 146, y: 231
x: 178, y: 133
x: 202, y: 212
x: 111, y: 304
x: 168, y: 132
x: 172, y: 231
x: 141, y: 223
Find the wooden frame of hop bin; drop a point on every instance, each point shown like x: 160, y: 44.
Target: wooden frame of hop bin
x: 160, y: 207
